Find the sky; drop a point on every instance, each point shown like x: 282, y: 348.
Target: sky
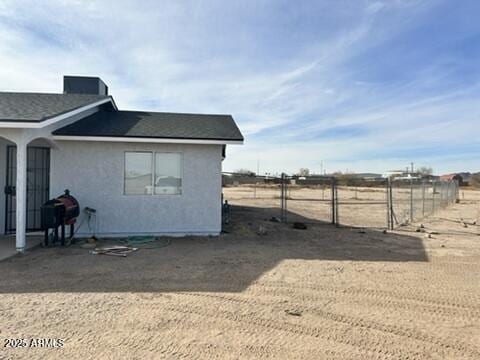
x: 351, y: 86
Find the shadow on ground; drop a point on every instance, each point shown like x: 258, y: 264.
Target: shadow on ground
x: 228, y: 263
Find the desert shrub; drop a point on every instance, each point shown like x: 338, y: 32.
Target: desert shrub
x: 475, y: 180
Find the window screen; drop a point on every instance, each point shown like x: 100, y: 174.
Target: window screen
x: 168, y: 173
x: 138, y: 173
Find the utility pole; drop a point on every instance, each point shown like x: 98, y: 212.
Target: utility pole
x: 321, y: 167
x: 412, y: 166
x: 256, y: 179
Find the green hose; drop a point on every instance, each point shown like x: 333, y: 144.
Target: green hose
x: 138, y: 240
x: 145, y: 242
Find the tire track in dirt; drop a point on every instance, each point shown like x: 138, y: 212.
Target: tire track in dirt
x: 447, y: 285
x: 137, y: 340
x: 141, y: 341
x: 271, y: 348
x: 378, y: 348
x: 248, y: 336
x: 473, y: 309
x: 359, y: 322
x: 412, y: 334
x: 436, y: 312
x: 270, y: 329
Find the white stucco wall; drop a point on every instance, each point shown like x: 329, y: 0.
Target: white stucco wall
x: 93, y: 171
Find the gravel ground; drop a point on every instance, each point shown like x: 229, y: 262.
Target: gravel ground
x: 324, y: 292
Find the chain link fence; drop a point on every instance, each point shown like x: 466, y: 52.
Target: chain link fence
x: 375, y: 203
x: 413, y: 200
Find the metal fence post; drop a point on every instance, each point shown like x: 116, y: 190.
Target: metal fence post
x: 433, y: 195
x: 392, y: 215
x: 332, y: 180
x: 452, y: 192
x: 387, y: 198
x: 337, y: 221
x: 285, y: 180
x: 445, y: 194
x: 282, y: 198
x: 441, y: 195
x: 411, y: 200
x: 448, y: 193
x: 457, y: 187
x: 423, y: 198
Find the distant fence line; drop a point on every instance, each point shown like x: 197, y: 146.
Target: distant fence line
x: 379, y: 203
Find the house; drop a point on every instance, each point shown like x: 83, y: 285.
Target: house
x: 456, y: 177
x: 143, y: 172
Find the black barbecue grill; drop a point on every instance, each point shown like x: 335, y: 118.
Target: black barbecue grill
x: 59, y: 212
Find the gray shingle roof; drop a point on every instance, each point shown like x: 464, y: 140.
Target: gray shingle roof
x: 154, y: 125
x: 37, y: 107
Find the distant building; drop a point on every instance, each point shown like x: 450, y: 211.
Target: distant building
x: 368, y: 176
x: 408, y: 175
x: 401, y: 175
x: 453, y: 176
x: 239, y: 179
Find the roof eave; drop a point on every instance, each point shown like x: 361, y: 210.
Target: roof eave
x: 148, y: 140
x: 29, y: 124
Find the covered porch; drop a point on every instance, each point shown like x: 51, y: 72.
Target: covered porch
x: 25, y: 185
x: 8, y: 246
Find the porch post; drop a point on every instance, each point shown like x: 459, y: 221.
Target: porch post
x: 21, y: 195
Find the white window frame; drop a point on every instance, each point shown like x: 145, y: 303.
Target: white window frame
x: 152, y: 170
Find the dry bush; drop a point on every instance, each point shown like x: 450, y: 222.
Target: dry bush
x: 475, y: 181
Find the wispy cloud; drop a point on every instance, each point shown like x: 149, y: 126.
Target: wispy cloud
x: 363, y: 85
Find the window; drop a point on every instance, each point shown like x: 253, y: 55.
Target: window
x: 148, y: 173
x: 168, y: 173
x: 138, y: 173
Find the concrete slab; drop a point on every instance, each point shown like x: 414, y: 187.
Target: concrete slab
x: 7, y: 245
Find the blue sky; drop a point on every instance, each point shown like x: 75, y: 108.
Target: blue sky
x: 357, y: 85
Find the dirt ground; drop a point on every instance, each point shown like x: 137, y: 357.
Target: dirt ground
x: 261, y: 290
